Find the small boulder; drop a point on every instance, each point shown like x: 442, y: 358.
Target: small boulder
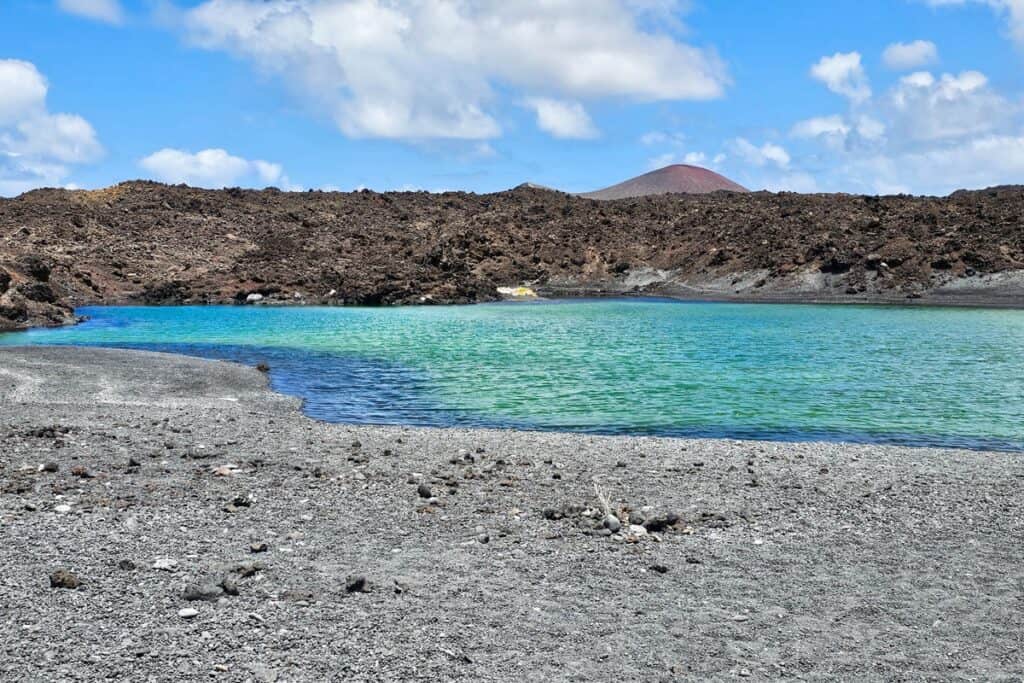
x: 659, y: 523
x: 82, y: 472
x: 206, y: 592
x: 62, y: 578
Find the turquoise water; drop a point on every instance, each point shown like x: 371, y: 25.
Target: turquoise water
x: 925, y: 376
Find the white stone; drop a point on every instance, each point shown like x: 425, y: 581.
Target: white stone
x: 253, y: 298
x: 188, y: 613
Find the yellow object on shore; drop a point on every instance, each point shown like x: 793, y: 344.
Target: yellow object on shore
x: 520, y: 292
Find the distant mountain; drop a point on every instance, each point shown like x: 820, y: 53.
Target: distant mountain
x: 676, y: 179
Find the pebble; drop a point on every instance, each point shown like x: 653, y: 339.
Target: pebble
x: 206, y: 592
x: 62, y: 578
x: 357, y: 584
x: 165, y: 564
x: 612, y: 523
x: 188, y: 613
x: 424, y: 491
x: 50, y: 467
x: 483, y: 538
x: 63, y: 508
x: 258, y: 547
x: 126, y: 565
x: 81, y: 472
x: 659, y: 568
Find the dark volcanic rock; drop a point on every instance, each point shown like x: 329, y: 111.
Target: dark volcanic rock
x: 151, y: 243
x: 62, y: 578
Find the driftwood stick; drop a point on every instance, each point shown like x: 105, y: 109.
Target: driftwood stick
x: 602, y: 501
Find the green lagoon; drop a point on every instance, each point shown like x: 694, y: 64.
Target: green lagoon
x: 908, y: 375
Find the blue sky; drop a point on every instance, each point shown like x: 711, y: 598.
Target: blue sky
x: 921, y: 96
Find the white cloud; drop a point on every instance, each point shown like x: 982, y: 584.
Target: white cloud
x: 870, y: 129
x: 24, y: 90
x: 923, y: 107
x: 695, y: 159
x: 109, y: 11
x: 768, y: 153
x: 213, y: 168
x: 662, y: 138
x: 36, y: 146
x: 843, y: 74
x: 927, y: 134
x: 979, y: 162
x: 904, y: 56
x: 689, y: 158
x: 419, y: 69
x: 1012, y: 10
x: 839, y: 132
x: 831, y: 127
x: 563, y: 119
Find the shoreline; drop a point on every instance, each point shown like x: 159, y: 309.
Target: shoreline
x: 814, y: 560
x: 980, y: 302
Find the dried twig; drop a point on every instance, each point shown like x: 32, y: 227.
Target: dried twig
x: 602, y: 501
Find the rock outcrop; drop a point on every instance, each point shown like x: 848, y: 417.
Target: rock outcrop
x: 142, y: 242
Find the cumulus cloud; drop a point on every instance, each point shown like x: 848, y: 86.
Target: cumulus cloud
x: 904, y: 56
x: 828, y: 127
x: 928, y: 134
x: 1012, y: 10
x: 701, y: 159
x: 212, y: 168
x: 108, y: 11
x: 675, y: 143
x: 923, y: 107
x: 563, y: 119
x: 768, y: 153
x: 37, y: 147
x: 843, y: 74
x: 973, y: 163
x: 416, y: 69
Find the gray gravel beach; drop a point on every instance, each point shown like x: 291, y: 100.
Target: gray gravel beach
x: 166, y: 518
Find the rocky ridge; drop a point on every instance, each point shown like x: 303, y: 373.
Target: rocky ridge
x: 147, y: 243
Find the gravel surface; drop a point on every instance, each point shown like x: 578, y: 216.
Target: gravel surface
x: 168, y: 518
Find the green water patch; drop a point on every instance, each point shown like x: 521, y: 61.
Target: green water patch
x: 911, y: 375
